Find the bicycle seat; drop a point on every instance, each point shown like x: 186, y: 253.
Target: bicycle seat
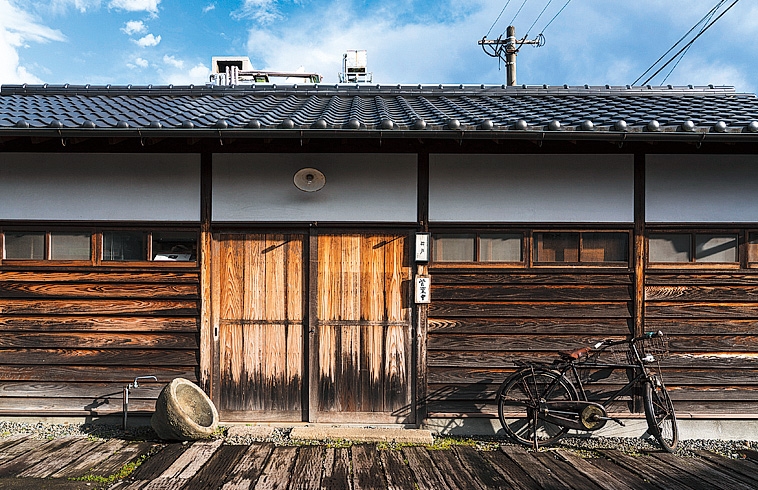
x: 574, y: 354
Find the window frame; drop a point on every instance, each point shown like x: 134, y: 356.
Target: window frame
x: 477, y: 263
x: 528, y: 250
x: 693, y: 263
x: 97, y: 247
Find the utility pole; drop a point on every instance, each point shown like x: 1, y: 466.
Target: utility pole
x: 507, y: 49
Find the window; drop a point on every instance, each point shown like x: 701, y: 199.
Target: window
x: 583, y: 248
x: 70, y: 246
x: 752, y: 248
x: 24, y: 246
x: 124, y: 246
x: 713, y: 248
x: 590, y: 248
x: 478, y: 247
x: 113, y: 246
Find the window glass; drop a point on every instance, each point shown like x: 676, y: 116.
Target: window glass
x: 716, y: 248
x: 454, y: 248
x: 178, y: 246
x: 500, y: 248
x: 24, y: 246
x: 752, y: 247
x: 124, y: 245
x: 70, y: 246
x: 557, y: 247
x: 605, y: 247
x: 670, y: 247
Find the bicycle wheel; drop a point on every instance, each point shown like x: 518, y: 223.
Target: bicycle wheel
x: 519, y: 406
x: 659, y: 412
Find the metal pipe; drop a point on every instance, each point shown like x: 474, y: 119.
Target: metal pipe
x: 125, y: 400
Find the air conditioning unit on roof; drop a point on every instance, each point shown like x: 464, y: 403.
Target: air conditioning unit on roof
x: 355, y: 67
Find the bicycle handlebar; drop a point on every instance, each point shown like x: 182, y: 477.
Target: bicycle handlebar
x: 645, y: 336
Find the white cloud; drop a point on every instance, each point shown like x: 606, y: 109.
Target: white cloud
x: 170, y: 60
x: 208, y: 8
x: 148, y: 41
x: 17, y: 29
x: 80, y: 5
x: 141, y: 62
x: 262, y: 11
x: 136, y: 5
x: 134, y: 27
x: 196, y: 75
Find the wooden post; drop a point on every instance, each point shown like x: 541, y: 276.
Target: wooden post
x: 422, y: 311
x: 206, y: 324
x: 639, y: 244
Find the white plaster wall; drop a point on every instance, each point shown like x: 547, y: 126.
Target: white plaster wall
x: 359, y: 187
x: 100, y: 187
x: 531, y: 188
x: 701, y: 188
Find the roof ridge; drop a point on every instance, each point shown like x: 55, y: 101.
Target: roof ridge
x: 369, y: 89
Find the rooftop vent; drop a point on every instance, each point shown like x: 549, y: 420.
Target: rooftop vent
x: 235, y: 70
x: 354, y: 67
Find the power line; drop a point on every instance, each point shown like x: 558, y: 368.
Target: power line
x: 691, y: 42
x: 714, y: 9
x: 555, y: 16
x: 519, y: 11
x: 498, y: 17
x: 685, y: 52
x: 538, y: 18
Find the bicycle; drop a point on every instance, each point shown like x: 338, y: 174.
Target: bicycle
x: 540, y: 403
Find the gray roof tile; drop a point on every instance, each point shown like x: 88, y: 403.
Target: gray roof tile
x: 370, y: 107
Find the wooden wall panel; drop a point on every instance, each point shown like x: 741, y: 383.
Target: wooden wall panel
x: 482, y: 321
x: 71, y: 340
x: 712, y: 321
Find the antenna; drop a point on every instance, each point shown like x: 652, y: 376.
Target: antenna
x: 507, y: 49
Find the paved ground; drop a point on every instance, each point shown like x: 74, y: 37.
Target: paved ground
x: 80, y: 462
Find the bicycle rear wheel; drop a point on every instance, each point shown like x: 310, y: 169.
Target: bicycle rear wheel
x: 659, y: 411
x: 519, y: 406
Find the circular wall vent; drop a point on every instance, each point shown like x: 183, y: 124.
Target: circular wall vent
x: 309, y: 179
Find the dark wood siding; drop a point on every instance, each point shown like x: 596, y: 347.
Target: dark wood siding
x: 712, y: 320
x: 480, y: 321
x: 70, y: 340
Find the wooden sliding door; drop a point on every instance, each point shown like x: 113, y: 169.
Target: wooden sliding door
x: 258, y: 309
x: 361, y: 348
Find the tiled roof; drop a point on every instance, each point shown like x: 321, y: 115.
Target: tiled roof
x: 486, y: 111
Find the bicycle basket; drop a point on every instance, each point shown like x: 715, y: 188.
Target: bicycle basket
x: 657, y: 346
x: 614, y: 354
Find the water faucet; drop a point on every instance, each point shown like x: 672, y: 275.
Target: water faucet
x: 134, y: 384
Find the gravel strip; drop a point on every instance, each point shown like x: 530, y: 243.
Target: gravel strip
x: 281, y: 437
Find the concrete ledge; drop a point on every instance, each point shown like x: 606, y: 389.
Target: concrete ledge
x: 254, y: 431
x: 408, y: 436
x: 689, y: 428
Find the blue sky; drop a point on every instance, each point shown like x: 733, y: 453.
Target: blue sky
x: 592, y: 42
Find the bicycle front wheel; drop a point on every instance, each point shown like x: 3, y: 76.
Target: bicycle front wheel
x: 519, y: 403
x: 659, y: 411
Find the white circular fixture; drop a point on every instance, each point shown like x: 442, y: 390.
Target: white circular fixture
x: 309, y: 179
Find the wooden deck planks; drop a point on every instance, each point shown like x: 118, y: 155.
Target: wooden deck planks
x: 367, y: 470
x: 454, y: 471
x: 531, y: 467
x: 60, y: 459
x: 336, y: 469
x: 743, y: 468
x: 661, y: 477
x: 212, y: 465
x: 275, y: 475
x: 398, y: 474
x: 308, y: 468
x: 248, y: 467
x: 217, y: 469
x: 427, y: 475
